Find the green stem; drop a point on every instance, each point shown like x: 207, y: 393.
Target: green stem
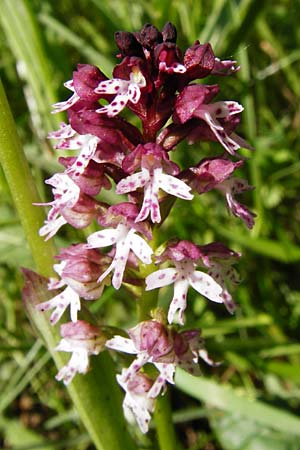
x: 147, y: 302
x: 23, y: 188
x: 164, y: 424
x: 96, y: 395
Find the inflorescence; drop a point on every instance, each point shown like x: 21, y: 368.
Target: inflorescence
x: 157, y: 83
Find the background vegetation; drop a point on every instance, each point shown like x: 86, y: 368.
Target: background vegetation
x: 251, y: 401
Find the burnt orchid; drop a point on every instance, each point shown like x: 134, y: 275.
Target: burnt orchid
x: 82, y: 340
x: 158, y: 85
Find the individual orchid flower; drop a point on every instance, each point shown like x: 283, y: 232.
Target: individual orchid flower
x: 167, y: 58
x: 216, y: 173
x: 69, y: 206
x: 220, y: 110
x: 219, y: 118
x: 125, y: 240
x: 82, y: 340
x: 137, y: 403
x: 225, y: 67
x: 185, y: 256
x: 67, y: 298
x: 219, y: 260
x: 152, y: 178
x: 163, y: 347
x: 66, y: 194
x: 125, y: 91
x: 79, y: 271
x: 70, y: 139
x: 233, y: 186
x: 83, y: 83
x: 62, y: 106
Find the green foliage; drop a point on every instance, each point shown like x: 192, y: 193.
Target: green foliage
x: 259, y: 378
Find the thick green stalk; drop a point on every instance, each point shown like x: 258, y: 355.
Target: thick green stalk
x: 23, y: 188
x: 164, y: 425
x: 96, y: 395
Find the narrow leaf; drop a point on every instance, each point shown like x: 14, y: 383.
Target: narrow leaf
x: 227, y: 399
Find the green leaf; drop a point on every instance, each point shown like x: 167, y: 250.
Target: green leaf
x: 16, y: 434
x: 236, y: 433
x: 228, y: 399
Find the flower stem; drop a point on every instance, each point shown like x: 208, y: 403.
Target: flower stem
x: 22, y: 187
x: 164, y: 424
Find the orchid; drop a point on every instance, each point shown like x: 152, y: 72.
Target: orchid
x: 62, y: 106
x: 183, y: 275
x: 152, y: 178
x: 125, y: 91
x: 163, y: 347
x: 79, y: 270
x: 82, y: 340
x: 70, y: 139
x: 125, y: 239
x: 136, y: 401
x: 157, y: 84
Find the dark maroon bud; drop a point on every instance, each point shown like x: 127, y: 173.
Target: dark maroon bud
x: 169, y: 32
x: 128, y: 44
x: 199, y: 60
x: 149, y: 36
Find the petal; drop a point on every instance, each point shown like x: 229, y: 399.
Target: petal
x: 174, y: 186
x: 113, y: 86
x: 103, y: 238
x: 89, y: 147
x: 178, y: 302
x: 59, y: 303
x: 51, y: 227
x: 62, y: 106
x: 166, y: 374
x: 133, y: 182
x: 150, y: 202
x: 134, y: 93
x: 141, y: 359
x: 206, y: 286
x: 167, y: 371
x: 119, y: 262
x: 138, y: 407
x: 205, y: 356
x: 160, y: 278
x: 121, y: 344
x: 240, y: 210
x: 65, y: 132
x: 79, y: 362
x: 116, y: 106
x: 140, y: 248
x: 74, y: 303
x: 106, y: 272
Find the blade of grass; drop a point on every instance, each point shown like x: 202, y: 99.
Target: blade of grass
x: 228, y: 399
x: 93, y: 56
x: 27, y: 46
x: 247, y: 11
